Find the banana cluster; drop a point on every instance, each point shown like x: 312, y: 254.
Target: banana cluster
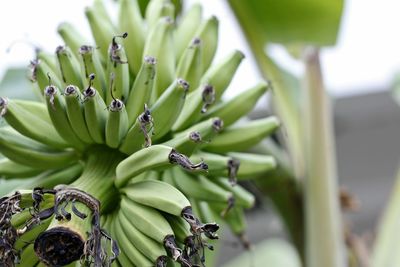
x: 136, y: 119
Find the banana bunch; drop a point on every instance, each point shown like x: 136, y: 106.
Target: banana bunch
x: 136, y: 119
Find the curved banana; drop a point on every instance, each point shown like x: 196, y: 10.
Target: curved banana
x: 131, y: 21
x: 243, y: 197
x: 208, y: 33
x: 32, y: 120
x: 69, y: 67
x: 11, y: 169
x: 189, y: 65
x: 27, y: 152
x: 232, y: 110
x: 29, y: 257
x: 76, y: 116
x: 116, y: 124
x: 240, y: 137
x: 72, y: 37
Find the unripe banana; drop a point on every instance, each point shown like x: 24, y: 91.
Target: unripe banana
x: 118, y: 71
x: 147, y: 219
x: 168, y: 107
x: 131, y: 21
x: 220, y: 75
x: 186, y: 28
x: 139, y: 135
x: 242, y: 136
x: 152, y: 249
x: 117, y: 123
x: 201, y: 188
x: 25, y: 151
x: 69, y: 67
x: 29, y: 257
x: 32, y: 234
x: 189, y: 65
x: 152, y: 158
x: 75, y: 113
x: 102, y: 30
x: 58, y: 115
x: 95, y: 114
x: 159, y: 44
x: 253, y: 165
x: 243, y: 197
x: 157, y: 9
x: 208, y: 34
x: 232, y: 110
x: 194, y: 137
x: 128, y: 250
x: 40, y: 73
x: 72, y: 37
x: 197, y: 103
x: 32, y: 120
x: 11, y: 169
x: 92, y: 64
x: 142, y: 88
x: 180, y: 226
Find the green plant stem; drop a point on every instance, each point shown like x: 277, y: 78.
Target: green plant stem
x: 324, y: 235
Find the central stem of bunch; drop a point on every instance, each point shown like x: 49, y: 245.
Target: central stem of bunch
x: 64, y: 240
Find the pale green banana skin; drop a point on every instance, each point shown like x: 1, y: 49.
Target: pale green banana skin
x: 72, y: 37
x: 208, y: 33
x: 243, y: 197
x: 190, y: 64
x: 32, y: 120
x: 187, y: 27
x: 131, y: 21
x: 234, y: 139
x: 158, y: 195
x: 149, y: 247
x: 253, y: 165
x: 141, y: 89
x: 116, y: 126
x: 76, y: 116
x: 119, y: 73
x: 144, y: 218
x: 29, y: 257
x: 11, y: 169
x: 232, y: 110
x: 42, y: 73
x: 150, y: 158
x: 134, y: 140
x: 69, y: 67
x: 95, y: 117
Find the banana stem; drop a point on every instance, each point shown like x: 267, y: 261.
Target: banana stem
x: 324, y: 235
x: 65, y: 238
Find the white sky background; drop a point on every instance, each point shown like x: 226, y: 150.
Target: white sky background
x: 366, y: 57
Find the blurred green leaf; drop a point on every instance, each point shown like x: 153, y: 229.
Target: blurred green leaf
x: 15, y: 84
x: 291, y: 21
x: 271, y: 252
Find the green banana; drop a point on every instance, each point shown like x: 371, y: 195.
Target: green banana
x: 196, y: 104
x: 180, y: 226
x: 152, y: 158
x: 208, y: 34
x: 24, y: 151
x: 168, y: 107
x: 75, y: 114
x: 92, y: 64
x: 31, y: 235
x: 40, y: 73
x: 253, y: 165
x: 58, y: 115
x: 159, y: 195
x: 147, y: 219
x: 159, y: 45
x: 95, y: 113
x: 29, y: 257
x: 194, y: 137
x: 118, y: 70
x: 102, y: 30
x: 11, y: 169
x: 32, y: 120
x: 157, y: 9
x: 141, y: 89
x: 69, y: 67
x: 189, y: 65
x: 201, y: 188
x: 232, y: 110
x: 131, y: 21
x: 139, y: 135
x: 127, y: 247
x: 233, y: 138
x: 220, y: 75
x: 72, y: 37
x: 243, y: 197
x: 152, y: 249
x: 116, y: 124
x: 186, y: 28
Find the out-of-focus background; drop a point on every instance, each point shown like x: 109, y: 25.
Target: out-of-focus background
x: 358, y: 73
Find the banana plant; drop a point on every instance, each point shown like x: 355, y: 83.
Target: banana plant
x: 130, y: 154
